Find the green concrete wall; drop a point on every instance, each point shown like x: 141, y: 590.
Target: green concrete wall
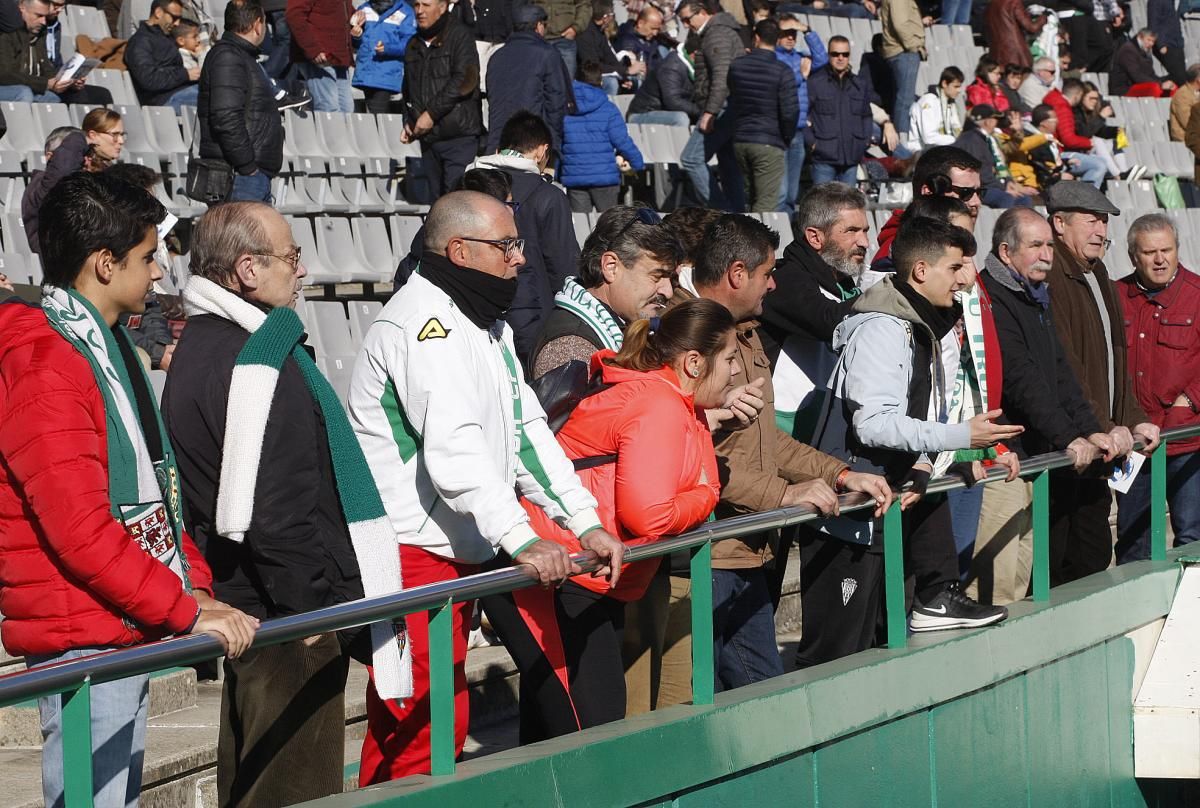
x: 1033, y: 712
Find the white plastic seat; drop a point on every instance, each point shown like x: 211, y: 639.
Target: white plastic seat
x: 362, y: 314
x: 336, y: 247
x: 333, y: 327
x: 51, y: 116
x: 114, y: 82
x: 12, y: 189
x: 404, y: 229
x: 370, y: 235
x: 314, y: 263
x: 15, y: 240
x: 24, y: 132
x: 163, y: 124
x: 137, y: 135
x: 340, y: 370
x: 15, y: 266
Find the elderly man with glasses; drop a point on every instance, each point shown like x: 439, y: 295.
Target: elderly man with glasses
x: 453, y: 436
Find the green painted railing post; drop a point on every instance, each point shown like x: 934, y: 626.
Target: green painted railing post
x: 702, y: 625
x: 893, y: 577
x: 441, y: 689
x: 77, y: 746
x: 1041, y: 536
x: 1158, y: 503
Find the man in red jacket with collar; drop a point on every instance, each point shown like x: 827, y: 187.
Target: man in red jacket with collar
x: 92, y: 552
x: 1161, y: 302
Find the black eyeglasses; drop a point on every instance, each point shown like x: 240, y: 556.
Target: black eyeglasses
x: 513, y: 206
x: 843, y: 54
x: 644, y: 216
x: 788, y: 33
x: 965, y: 194
x: 508, y: 245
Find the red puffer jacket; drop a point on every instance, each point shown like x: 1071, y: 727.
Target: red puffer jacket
x: 70, y: 575
x: 654, y: 488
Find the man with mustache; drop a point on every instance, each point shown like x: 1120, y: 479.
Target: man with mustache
x: 1039, y: 391
x: 625, y: 273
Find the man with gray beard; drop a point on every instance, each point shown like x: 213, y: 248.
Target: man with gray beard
x: 816, y: 283
x: 1040, y: 392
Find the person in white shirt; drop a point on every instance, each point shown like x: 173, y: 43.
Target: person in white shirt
x: 936, y: 121
x: 452, y: 432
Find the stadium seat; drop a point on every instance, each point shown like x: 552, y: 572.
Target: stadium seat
x: 316, y: 269
x: 35, y: 270
x: 339, y: 370
x: 137, y: 136
x: 12, y: 189
x: 50, y: 117
x: 163, y: 124
x: 362, y: 314
x: 301, y: 138
x: 179, y: 273
x: 371, y: 237
x: 77, y: 112
x: 328, y: 198
x: 337, y: 248
x: 333, y: 328
x: 16, y: 267
x: 87, y: 20
x: 15, y: 240
x: 781, y: 224
x: 114, y: 82
x: 404, y: 229
x: 582, y: 227
x: 24, y: 133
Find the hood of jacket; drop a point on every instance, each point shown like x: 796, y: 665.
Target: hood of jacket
x: 882, y: 298
x: 506, y: 161
x: 615, y: 374
x: 588, y: 98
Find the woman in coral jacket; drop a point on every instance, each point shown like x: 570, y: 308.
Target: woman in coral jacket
x: 648, y: 459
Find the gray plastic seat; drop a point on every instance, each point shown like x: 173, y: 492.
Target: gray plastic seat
x: 404, y: 229
x: 15, y: 266
x: 51, y: 116
x: 333, y: 328
x: 301, y: 137
x: 12, y: 189
x: 85, y: 20
x: 583, y: 227
x: 371, y: 237
x: 137, y: 136
x: 314, y: 263
x: 336, y: 247
x: 362, y: 314
x: 327, y: 198
x: 163, y: 123
x: 340, y: 370
x: 15, y: 240
x: 114, y: 82
x: 24, y: 132
x: 781, y: 224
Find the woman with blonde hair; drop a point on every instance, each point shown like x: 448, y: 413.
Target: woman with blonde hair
x: 105, y: 132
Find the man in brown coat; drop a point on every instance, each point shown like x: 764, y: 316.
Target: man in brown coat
x: 1009, y: 26
x: 761, y: 466
x: 1090, y: 325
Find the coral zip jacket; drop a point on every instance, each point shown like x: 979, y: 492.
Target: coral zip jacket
x: 654, y: 489
x: 70, y: 575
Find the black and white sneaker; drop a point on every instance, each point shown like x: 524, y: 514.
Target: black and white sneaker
x: 287, y: 100
x: 952, y: 609
x: 1135, y: 173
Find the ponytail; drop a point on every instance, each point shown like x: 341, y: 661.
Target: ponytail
x: 695, y: 325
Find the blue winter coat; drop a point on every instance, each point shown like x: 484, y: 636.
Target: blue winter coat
x: 589, y: 138
x: 792, y: 58
x: 384, y: 71
x: 839, y: 111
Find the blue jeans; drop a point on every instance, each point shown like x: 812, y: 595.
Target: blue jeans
x: 610, y: 84
x: 827, y: 172
x: 694, y: 162
x: 661, y: 117
x: 251, y: 188
x: 791, y: 181
x: 904, y: 67
x: 19, y: 92
x: 744, y: 649
x: 1090, y: 169
x: 118, y: 737
x: 277, y: 45
x: 567, y: 50
x: 188, y: 96
x: 997, y: 198
x: 956, y: 12
x: 965, y: 506
x: 1183, y: 499
x: 329, y: 88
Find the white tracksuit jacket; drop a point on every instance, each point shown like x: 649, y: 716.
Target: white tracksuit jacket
x: 433, y: 400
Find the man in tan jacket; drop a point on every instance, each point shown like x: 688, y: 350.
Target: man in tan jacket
x: 761, y: 466
x: 904, y: 49
x: 1183, y: 102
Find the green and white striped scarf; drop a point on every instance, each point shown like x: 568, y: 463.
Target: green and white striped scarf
x: 580, y: 302
x: 274, y: 338
x: 143, y: 494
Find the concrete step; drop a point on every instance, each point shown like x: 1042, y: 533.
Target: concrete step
x: 170, y: 690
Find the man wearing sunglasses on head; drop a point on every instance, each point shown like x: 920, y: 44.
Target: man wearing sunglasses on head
x: 452, y: 433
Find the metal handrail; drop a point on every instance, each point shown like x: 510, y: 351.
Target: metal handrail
x: 119, y: 664
x: 74, y: 678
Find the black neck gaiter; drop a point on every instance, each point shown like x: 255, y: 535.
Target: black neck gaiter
x: 940, y: 320
x: 433, y: 31
x: 483, y: 298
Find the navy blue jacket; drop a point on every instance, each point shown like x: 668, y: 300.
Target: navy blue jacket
x: 762, y: 93
x: 628, y: 39
x: 839, y: 111
x: 670, y: 87
x: 527, y: 73
x: 589, y: 138
x: 155, y: 65
x: 384, y: 70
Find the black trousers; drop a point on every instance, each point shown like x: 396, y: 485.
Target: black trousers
x: 1091, y: 43
x: 446, y: 161
x: 841, y: 584
x: 1081, y: 542
x: 587, y: 628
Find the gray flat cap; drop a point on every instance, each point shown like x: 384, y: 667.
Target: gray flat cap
x: 528, y: 14
x: 1078, y: 195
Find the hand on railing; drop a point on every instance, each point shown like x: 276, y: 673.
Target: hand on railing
x: 1149, y: 434
x: 918, y: 481
x: 815, y: 493
x: 231, y: 627
x: 984, y: 433
x: 610, y: 551
x: 1011, y: 463
x: 873, y: 486
x: 551, y: 562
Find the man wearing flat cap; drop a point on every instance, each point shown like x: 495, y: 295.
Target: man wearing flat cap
x: 527, y: 73
x: 1090, y: 325
x: 996, y: 187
